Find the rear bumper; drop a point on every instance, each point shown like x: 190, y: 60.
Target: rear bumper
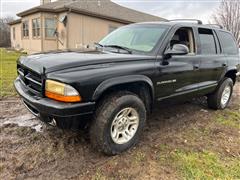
x: 47, y: 107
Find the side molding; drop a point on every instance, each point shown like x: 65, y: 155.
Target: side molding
x: 122, y: 80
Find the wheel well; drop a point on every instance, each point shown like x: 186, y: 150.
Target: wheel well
x: 141, y: 89
x: 231, y: 74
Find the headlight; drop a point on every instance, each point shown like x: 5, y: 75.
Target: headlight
x: 61, y: 92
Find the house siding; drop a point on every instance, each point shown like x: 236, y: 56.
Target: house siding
x: 80, y: 31
x: 17, y: 42
x: 31, y: 44
x: 87, y: 29
x: 49, y: 44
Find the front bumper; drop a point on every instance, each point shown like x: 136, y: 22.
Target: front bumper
x: 40, y: 106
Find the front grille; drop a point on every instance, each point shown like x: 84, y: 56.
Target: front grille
x: 31, y: 80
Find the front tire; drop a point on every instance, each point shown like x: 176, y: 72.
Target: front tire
x: 118, y: 123
x: 221, y: 97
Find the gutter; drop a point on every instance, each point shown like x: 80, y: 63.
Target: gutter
x: 15, y: 22
x: 39, y: 9
x: 66, y: 8
x: 99, y: 15
x: 75, y: 10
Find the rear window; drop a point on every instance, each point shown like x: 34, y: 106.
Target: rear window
x: 207, y: 41
x: 228, y: 44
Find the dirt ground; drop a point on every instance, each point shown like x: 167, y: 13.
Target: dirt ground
x: 176, y: 137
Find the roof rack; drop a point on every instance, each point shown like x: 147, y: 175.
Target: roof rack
x: 196, y: 20
x: 217, y: 25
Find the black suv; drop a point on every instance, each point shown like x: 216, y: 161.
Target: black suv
x: 116, y: 85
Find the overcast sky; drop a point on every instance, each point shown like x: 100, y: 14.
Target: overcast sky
x: 170, y: 9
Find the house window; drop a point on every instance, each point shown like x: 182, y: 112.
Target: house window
x: 14, y: 33
x: 50, y: 27
x: 25, y: 30
x: 111, y: 29
x: 36, y: 27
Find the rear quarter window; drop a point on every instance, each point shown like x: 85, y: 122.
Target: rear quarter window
x: 228, y: 43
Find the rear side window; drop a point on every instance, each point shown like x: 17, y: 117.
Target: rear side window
x: 207, y: 41
x: 228, y: 44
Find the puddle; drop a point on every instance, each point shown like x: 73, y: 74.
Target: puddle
x: 27, y: 120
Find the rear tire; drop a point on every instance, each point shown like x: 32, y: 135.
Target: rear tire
x: 118, y: 123
x: 221, y: 97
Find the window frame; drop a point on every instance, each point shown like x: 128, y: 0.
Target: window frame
x: 218, y: 43
x: 25, y: 29
x: 45, y: 28
x: 36, y: 31
x: 214, y: 38
x: 194, y: 36
x: 222, y: 43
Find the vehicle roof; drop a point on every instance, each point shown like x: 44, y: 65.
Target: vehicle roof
x: 175, y: 23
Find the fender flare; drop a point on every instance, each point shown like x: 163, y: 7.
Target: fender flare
x: 119, y: 81
x: 227, y: 70
x: 232, y: 68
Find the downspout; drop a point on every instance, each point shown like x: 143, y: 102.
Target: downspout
x: 67, y: 29
x: 83, y: 43
x: 42, y: 31
x: 57, y: 38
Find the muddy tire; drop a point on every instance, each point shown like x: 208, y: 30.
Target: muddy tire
x: 118, y: 123
x: 221, y: 97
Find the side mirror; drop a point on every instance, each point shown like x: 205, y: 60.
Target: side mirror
x: 177, y: 49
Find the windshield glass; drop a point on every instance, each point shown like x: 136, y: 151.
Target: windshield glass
x: 135, y: 37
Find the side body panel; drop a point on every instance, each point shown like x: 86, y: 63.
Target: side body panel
x: 91, y: 81
x: 233, y: 60
x: 212, y: 66
x: 180, y: 76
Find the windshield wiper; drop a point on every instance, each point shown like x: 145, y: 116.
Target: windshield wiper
x: 119, y: 47
x: 98, y: 44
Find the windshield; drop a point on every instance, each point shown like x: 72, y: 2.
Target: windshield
x: 135, y: 37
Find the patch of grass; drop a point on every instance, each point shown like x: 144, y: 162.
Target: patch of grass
x: 205, y: 165
x: 8, y: 71
x: 140, y: 157
x: 1, y: 167
x: 99, y: 175
x: 229, y: 118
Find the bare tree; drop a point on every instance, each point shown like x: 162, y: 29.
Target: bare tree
x: 5, y: 40
x: 228, y: 15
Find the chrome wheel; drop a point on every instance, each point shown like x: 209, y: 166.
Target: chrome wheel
x: 226, y: 95
x: 124, y: 126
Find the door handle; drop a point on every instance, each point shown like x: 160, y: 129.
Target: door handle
x: 224, y: 64
x: 195, y: 67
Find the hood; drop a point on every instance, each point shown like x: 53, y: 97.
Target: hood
x: 58, y: 61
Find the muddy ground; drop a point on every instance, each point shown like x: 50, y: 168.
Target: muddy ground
x: 44, y: 152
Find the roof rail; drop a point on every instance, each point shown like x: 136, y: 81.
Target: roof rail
x: 198, y: 21
x: 217, y: 25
